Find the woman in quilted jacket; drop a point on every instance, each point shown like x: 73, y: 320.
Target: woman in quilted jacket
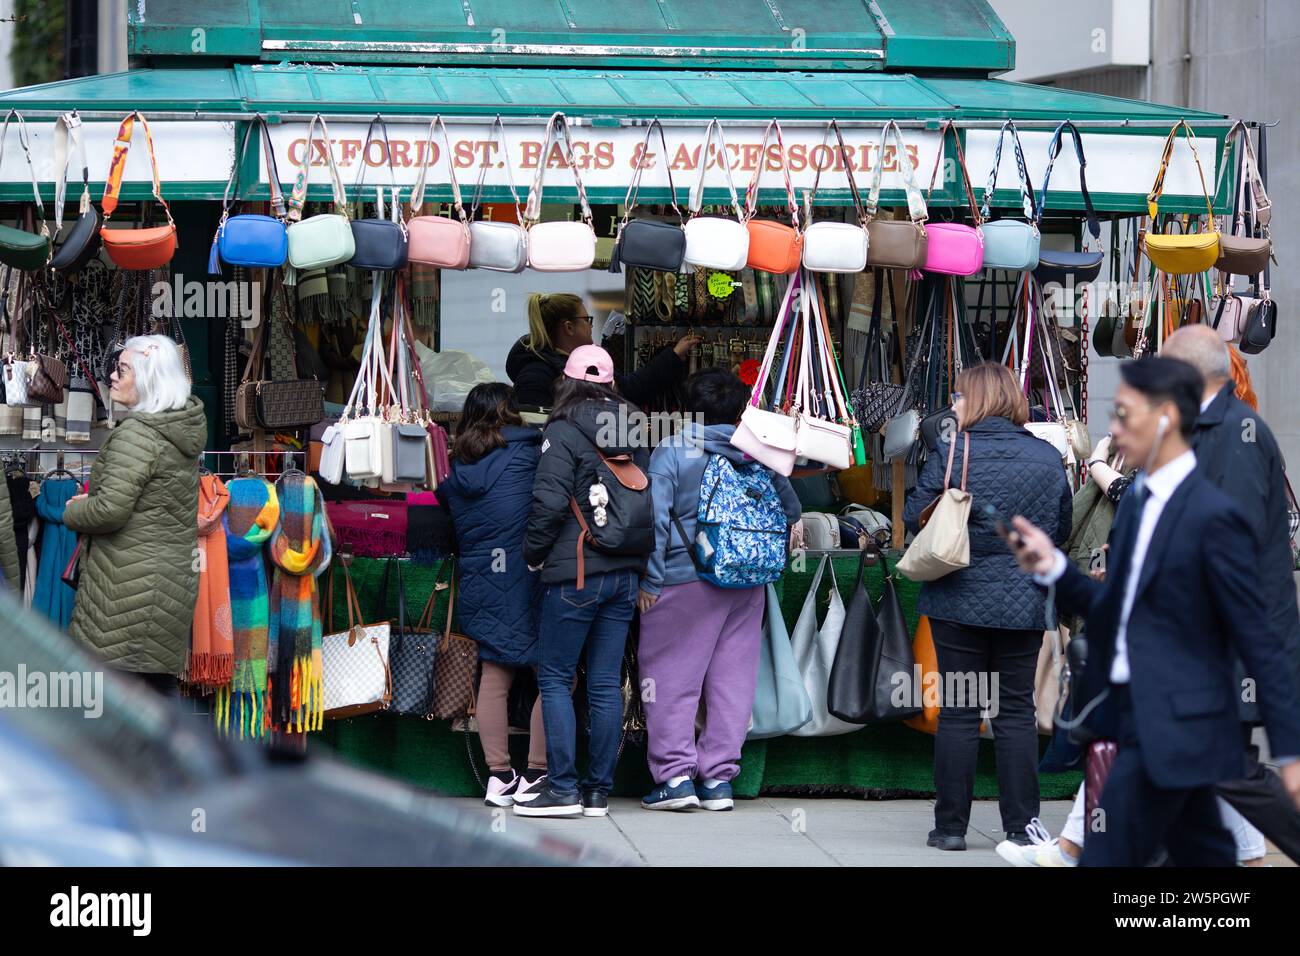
x: 139, y: 580
x: 988, y: 619
x: 488, y: 496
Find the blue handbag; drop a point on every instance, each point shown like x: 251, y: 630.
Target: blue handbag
x: 781, y: 704
x: 251, y: 240
x: 1009, y: 243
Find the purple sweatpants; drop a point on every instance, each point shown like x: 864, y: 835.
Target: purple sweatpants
x: 699, y: 640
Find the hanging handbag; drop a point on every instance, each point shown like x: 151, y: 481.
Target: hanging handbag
x: 1188, y: 253
x: 379, y: 244
x: 649, y: 243
x: 20, y: 249
x: 814, y: 653
x: 406, y: 449
x: 264, y: 404
x: 819, y: 438
x: 1054, y: 265
x: 412, y: 652
x: 715, y: 242
x: 251, y: 240
x: 954, y: 248
x: 362, y: 435
x: 147, y: 248
x: 455, y: 668
x: 903, y: 429
x: 781, y: 704
x: 896, y: 244
x: 1009, y: 243
x: 943, y: 545
x: 498, y: 246
x: 1260, y: 327
x: 769, y: 436
x: 355, y: 677
x: 875, y: 401
x: 325, y: 239
x: 1241, y: 250
x: 773, y: 246
x: 558, y: 246
x: 835, y: 246
x: 82, y: 241
x: 438, y: 240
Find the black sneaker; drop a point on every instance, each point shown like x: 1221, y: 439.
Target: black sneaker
x: 594, y: 804
x: 941, y: 841
x: 1019, y: 838
x: 548, y: 803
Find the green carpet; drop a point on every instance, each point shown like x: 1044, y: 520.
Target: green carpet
x: 889, y: 761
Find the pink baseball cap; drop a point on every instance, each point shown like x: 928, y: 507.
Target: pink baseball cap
x: 590, y: 363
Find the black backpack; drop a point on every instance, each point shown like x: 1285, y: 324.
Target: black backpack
x: 621, y: 519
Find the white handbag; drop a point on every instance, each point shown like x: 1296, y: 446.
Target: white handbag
x: 715, y: 242
x: 835, y: 246
x: 943, y: 545
x: 1053, y: 433
x: 355, y: 675
x: 814, y: 652
x: 817, y: 531
x: 768, y: 436
x: 816, y: 438
x: 559, y: 246
x: 362, y: 452
x: 18, y: 376
x: 331, y: 456
x: 326, y: 239
x: 498, y: 246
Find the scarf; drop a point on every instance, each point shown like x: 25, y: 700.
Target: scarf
x: 250, y: 518
x: 51, y: 596
x: 212, y: 646
x: 300, y: 551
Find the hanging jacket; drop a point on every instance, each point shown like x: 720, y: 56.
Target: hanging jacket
x: 9, y: 556
x: 53, y: 598
x: 21, y: 513
x: 567, y: 469
x: 138, y: 587
x: 534, y: 375
x: 489, y: 500
x: 676, y: 470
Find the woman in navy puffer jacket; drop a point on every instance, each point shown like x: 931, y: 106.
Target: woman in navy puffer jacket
x: 488, y: 495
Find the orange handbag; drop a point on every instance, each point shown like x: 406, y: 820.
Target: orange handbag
x: 135, y: 248
x: 927, y: 661
x: 773, y: 246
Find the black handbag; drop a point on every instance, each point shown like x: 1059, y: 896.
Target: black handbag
x: 1054, y: 265
x: 874, y: 654
x: 380, y: 244
x: 411, y: 652
x: 652, y: 244
x: 82, y: 240
x: 874, y: 403
x: 1261, y: 326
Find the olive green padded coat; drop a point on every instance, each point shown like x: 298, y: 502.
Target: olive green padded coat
x: 135, y: 599
x: 8, y: 544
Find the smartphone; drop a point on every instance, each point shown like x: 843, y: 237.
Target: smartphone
x: 1003, y: 527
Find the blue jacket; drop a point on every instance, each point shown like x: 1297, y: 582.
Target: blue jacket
x: 676, y: 469
x: 497, y: 596
x: 1016, y: 473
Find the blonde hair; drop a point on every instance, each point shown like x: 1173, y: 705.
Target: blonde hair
x: 546, y: 310
x: 160, y: 379
x: 991, y: 390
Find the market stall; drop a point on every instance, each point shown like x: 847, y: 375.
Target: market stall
x: 296, y: 122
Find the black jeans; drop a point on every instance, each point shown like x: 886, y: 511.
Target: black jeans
x: 1262, y: 799
x: 979, y: 667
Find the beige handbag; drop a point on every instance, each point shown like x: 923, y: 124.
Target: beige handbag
x: 1048, y: 688
x: 943, y: 545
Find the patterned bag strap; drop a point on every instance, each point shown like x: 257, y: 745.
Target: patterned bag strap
x: 1026, y: 186
x: 1054, y: 150
x: 117, y: 167
x: 697, y: 191
x: 556, y: 127
x: 302, y: 178
x: 25, y: 142
x: 916, y: 205
x: 499, y: 134
x: 1158, y: 187
x: 634, y: 187
x: 961, y: 163
x: 751, y: 194
x: 68, y: 128
x: 417, y: 194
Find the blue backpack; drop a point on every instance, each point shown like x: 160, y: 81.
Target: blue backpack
x: 741, y: 532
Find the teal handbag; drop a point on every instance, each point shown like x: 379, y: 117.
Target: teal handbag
x: 20, y: 249
x: 780, y: 702
x: 326, y: 239
x: 1009, y: 243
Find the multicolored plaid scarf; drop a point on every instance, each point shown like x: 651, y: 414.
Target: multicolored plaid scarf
x: 300, y: 551
x: 250, y: 519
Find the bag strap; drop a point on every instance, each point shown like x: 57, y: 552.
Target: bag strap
x: 557, y: 126
x: 392, y: 176
x: 498, y: 136
x: 751, y: 194
x: 634, y: 187
x: 25, y: 142
x: 1054, y: 150
x: 584, y: 534
x: 417, y: 194
x: 961, y: 163
x: 1158, y: 187
x: 232, y: 185
x: 1028, y: 203
x: 697, y: 191
x: 965, y: 461
x: 916, y: 206
x: 302, y: 178
x: 117, y: 167
x: 875, y: 335
x: 68, y: 128
x: 844, y: 156
x: 783, y: 317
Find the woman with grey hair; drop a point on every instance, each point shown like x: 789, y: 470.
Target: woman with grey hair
x: 139, y: 518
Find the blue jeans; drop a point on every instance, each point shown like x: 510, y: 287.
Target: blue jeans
x: 597, y: 617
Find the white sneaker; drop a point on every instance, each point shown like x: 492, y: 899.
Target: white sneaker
x: 527, y: 792
x: 1043, y: 851
x: 500, y: 793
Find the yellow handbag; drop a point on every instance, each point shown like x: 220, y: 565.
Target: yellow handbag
x: 1184, y: 254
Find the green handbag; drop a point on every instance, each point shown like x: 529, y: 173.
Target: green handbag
x: 20, y: 249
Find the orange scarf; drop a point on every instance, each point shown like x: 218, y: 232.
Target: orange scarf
x: 212, y: 652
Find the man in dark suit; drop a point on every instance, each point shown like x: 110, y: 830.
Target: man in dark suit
x: 1181, y: 593
x: 1237, y: 453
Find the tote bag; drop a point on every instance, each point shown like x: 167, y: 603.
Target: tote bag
x: 814, y: 653
x: 943, y: 545
x: 781, y: 704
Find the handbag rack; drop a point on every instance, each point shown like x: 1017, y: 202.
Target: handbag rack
x: 239, y: 464
x: 31, y: 460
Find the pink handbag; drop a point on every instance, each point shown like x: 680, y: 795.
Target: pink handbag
x: 438, y: 240
x: 953, y: 248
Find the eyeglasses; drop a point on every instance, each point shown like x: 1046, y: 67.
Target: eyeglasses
x: 583, y: 318
x: 956, y: 397
x: 123, y: 370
